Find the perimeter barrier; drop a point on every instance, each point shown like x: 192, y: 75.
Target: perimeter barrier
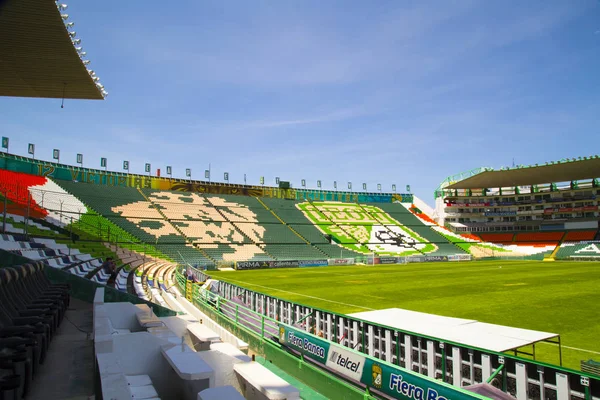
x: 450, y: 362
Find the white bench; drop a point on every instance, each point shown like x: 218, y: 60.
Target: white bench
x: 165, y: 333
x: 146, y: 317
x: 141, y: 387
x: 202, y: 336
x: 259, y: 383
x: 230, y: 350
x: 225, y: 335
x: 196, y: 374
x: 220, y: 393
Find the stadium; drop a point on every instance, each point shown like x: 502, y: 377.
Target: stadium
x: 226, y: 291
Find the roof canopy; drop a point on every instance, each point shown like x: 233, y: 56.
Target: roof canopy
x: 468, y: 332
x: 37, y: 55
x: 560, y: 172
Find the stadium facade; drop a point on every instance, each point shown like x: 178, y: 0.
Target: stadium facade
x: 549, y: 203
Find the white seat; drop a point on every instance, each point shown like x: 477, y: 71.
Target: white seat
x: 96, y: 262
x: 265, y: 382
x: 202, y: 336
x: 138, y: 380
x: 220, y: 393
x: 188, y: 364
x: 230, y: 350
x: 84, y: 257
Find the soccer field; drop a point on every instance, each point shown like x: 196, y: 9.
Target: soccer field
x: 559, y: 297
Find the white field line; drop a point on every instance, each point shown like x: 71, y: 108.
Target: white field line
x: 303, y: 295
x: 572, y: 348
x: 367, y: 308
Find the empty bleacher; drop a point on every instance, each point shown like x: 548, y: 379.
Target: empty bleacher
x: 575, y: 236
x: 293, y: 251
x: 502, y: 238
x: 234, y: 252
x: 32, y: 310
x: 539, y: 238
x: 579, y: 251
x: 205, y: 229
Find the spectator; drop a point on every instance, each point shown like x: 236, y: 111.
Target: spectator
x: 110, y: 268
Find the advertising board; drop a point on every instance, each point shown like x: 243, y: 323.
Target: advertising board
x: 389, y: 379
x: 247, y: 265
x: 436, y: 258
x: 313, y: 263
x: 341, y: 261
x: 386, y: 260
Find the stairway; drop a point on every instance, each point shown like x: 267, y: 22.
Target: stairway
x: 282, y: 221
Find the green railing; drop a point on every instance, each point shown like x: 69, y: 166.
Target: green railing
x: 452, y: 355
x: 265, y: 335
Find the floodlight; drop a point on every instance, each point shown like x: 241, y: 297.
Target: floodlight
x: 79, y: 49
x: 95, y: 78
x: 70, y: 24
x: 64, y: 16
x: 82, y: 54
x: 62, y: 6
x: 76, y: 41
x: 86, y: 62
x: 72, y: 34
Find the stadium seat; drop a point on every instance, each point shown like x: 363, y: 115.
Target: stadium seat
x: 576, y: 236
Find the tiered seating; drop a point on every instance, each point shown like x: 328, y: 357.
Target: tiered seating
x: 241, y: 208
x: 31, y: 309
x: 412, y: 222
x: 293, y: 251
x: 85, y: 268
x: 103, y: 229
x: 335, y: 251
x: 104, y: 198
x: 183, y: 206
x: 309, y: 233
x: 83, y: 265
x: 541, y: 238
x: 128, y: 211
x: 286, y: 210
x: 16, y: 187
x: 227, y: 227
x: 576, y: 236
x: 121, y: 281
x: 211, y: 232
x: 271, y: 233
x: 184, y: 253
x: 233, y: 252
x: 502, y: 238
x: 587, y: 251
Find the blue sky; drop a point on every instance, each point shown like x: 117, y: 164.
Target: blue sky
x: 404, y: 92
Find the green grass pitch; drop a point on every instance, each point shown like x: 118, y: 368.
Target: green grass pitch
x: 559, y: 297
